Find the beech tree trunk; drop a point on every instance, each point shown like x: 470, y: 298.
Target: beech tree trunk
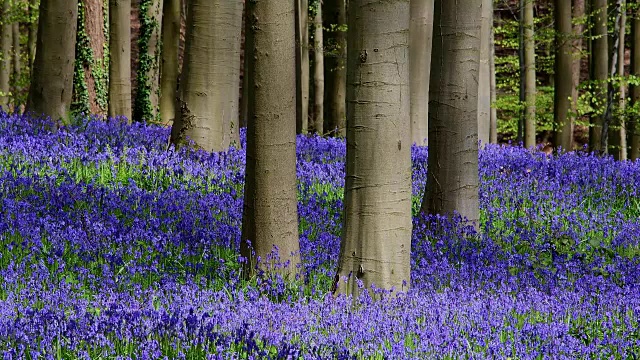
x: 634, y: 126
x: 420, y: 38
x: 270, y: 214
x: 335, y: 69
x: 52, y: 76
x: 563, y: 76
x: 452, y: 182
x: 302, y: 66
x: 169, y: 71
x: 484, y: 77
x: 120, y: 58
x: 208, y: 94
x: 529, y: 76
x: 376, y: 237
x: 493, y: 135
x: 318, y: 73
x: 5, y: 64
x: 616, y: 124
x: 600, y: 72
x: 17, y: 66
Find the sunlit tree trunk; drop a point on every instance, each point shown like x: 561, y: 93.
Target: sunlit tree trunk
x: 420, y: 37
x: 376, y: 237
x: 52, y: 76
x: 270, y: 217
x: 318, y: 73
x: 169, y: 71
x: 302, y: 66
x: 600, y: 72
x: 529, y: 77
x: 335, y: 73
x: 452, y: 182
x: 120, y: 58
x: 563, y: 75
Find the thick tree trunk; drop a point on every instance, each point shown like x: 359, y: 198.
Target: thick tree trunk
x: 5, y: 65
x: 302, y: 66
x: 270, y: 215
x: 529, y: 77
x: 484, y: 76
x: 120, y: 58
x: 95, y: 70
x: 169, y: 70
x: 563, y: 76
x: 493, y: 135
x: 634, y: 126
x: 420, y: 37
x: 32, y: 32
x: 376, y: 238
x: 208, y: 93
x: 600, y: 72
x: 578, y: 35
x: 17, y: 66
x: 335, y: 69
x: 52, y: 77
x: 146, y: 103
x: 318, y: 73
x: 452, y: 182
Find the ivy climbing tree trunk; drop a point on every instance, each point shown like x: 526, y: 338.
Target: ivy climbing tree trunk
x: 171, y: 19
x: 209, y: 84
x: 563, y: 77
x: 5, y: 48
x: 318, y: 72
x: 376, y: 236
x: 420, y: 37
x: 120, y: 58
x: 302, y: 66
x: 145, y: 107
x: 600, y: 71
x: 529, y: 76
x: 270, y: 214
x: 634, y: 126
x: 452, y: 182
x: 52, y: 76
x: 335, y: 70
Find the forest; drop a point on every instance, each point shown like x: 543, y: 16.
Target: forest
x: 319, y: 179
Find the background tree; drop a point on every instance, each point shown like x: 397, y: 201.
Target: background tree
x: 145, y: 107
x: 318, y: 71
x: 376, y: 237
x: 52, y: 76
x: 563, y: 77
x: 209, y: 83
x: 579, y: 21
x: 493, y: 134
x: 420, y: 37
x: 5, y: 48
x: 634, y: 136
x: 452, y: 181
x: 529, y: 75
x: 16, y: 65
x: 32, y: 29
x: 302, y: 66
x: 270, y: 214
x: 335, y: 73
x: 600, y: 71
x: 120, y: 58
x: 169, y: 70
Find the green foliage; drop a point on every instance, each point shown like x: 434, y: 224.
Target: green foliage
x: 143, y: 109
x: 84, y: 59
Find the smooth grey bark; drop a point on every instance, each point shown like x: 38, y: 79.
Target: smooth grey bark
x: 52, y: 75
x: 420, y: 38
x: 270, y: 217
x: 452, y: 182
x: 302, y: 66
x: 529, y: 76
x: 600, y: 72
x: 16, y: 64
x: 208, y: 100
x: 493, y: 135
x: 5, y: 49
x: 120, y: 58
x: 318, y: 73
x: 563, y: 76
x: 484, y: 76
x: 169, y: 69
x: 335, y: 70
x: 376, y: 236
x: 634, y: 125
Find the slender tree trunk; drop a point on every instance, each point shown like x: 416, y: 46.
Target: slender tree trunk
x: 634, y: 126
x: 17, y: 66
x: 270, y: 217
x: 420, y: 38
x: 563, y: 76
x: 302, y: 66
x: 452, y: 182
x: 529, y: 77
x: 578, y: 31
x: 335, y: 70
x: 493, y: 135
x: 171, y: 19
x: 600, y: 70
x: 120, y: 58
x: 484, y: 76
x: 376, y: 238
x: 146, y: 103
x: 618, y: 133
x: 52, y: 76
x: 208, y: 93
x: 5, y: 64
x: 318, y: 73
x: 32, y: 32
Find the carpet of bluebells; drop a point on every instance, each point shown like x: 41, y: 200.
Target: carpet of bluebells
x: 114, y: 246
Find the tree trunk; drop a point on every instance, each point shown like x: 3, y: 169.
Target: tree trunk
x: 578, y: 34
x: 208, y: 93
x: 376, y: 238
x: 420, y: 38
x: 493, y: 135
x: 17, y: 66
x: 5, y: 65
x: 600, y: 72
x: 616, y: 128
x: 452, y: 182
x: 246, y: 52
x: 563, y: 76
x: 270, y: 215
x: 484, y: 76
x: 529, y: 77
x: 634, y: 126
x: 335, y: 70
x: 147, y: 98
x: 318, y: 73
x: 120, y: 58
x: 33, y: 32
x: 302, y: 66
x: 52, y: 76
x: 169, y: 70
